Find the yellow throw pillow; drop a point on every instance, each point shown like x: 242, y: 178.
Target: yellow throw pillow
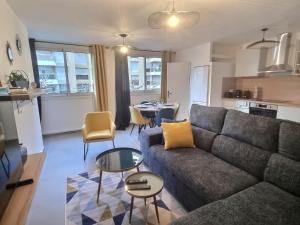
x: 178, y: 135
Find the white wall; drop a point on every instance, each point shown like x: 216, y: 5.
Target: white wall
x: 218, y: 70
x: 247, y: 62
x: 65, y: 113
x: 28, y: 126
x: 197, y: 56
x: 29, y: 134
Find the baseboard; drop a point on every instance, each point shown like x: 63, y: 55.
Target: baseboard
x: 61, y: 131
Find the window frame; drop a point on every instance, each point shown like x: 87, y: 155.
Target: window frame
x: 145, y: 55
x: 64, y: 48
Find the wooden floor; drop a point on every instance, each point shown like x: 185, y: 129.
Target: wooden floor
x: 19, y: 205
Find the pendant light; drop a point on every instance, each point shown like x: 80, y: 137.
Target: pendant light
x: 123, y: 47
x: 263, y: 43
x: 173, y: 19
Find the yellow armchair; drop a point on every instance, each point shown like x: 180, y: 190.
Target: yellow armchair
x: 98, y: 126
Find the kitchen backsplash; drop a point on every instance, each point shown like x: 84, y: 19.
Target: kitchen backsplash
x: 283, y: 88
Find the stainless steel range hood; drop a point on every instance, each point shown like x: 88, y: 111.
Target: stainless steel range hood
x: 280, y: 59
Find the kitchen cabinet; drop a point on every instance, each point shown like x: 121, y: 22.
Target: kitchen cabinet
x: 283, y: 112
x: 289, y: 113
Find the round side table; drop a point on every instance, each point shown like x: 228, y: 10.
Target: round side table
x: 156, y: 183
x: 117, y: 160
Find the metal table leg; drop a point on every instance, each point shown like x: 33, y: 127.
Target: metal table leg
x: 99, y: 185
x: 131, y: 208
x: 156, y: 209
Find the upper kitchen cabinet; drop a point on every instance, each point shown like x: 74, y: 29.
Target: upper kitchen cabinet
x: 249, y: 62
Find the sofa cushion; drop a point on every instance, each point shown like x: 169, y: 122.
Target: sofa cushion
x: 261, y: 204
x: 209, y: 118
x: 178, y: 135
x: 259, y: 131
x: 284, y: 173
x: 208, y: 176
x: 289, y: 140
x: 244, y: 156
x: 203, y: 139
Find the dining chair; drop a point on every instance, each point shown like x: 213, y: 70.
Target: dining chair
x: 138, y: 119
x: 165, y: 113
x: 148, y: 114
x: 98, y: 126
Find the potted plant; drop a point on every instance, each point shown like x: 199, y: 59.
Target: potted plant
x: 18, y: 78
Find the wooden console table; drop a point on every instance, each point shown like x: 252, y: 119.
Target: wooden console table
x: 20, y: 202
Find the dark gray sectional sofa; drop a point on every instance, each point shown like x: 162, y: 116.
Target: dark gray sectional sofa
x: 245, y: 169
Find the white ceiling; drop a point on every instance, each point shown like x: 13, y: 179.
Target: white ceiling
x: 99, y: 21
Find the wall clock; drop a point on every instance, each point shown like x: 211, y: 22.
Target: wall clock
x: 9, y: 53
x: 19, y: 44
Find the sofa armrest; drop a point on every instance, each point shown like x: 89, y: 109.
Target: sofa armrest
x: 148, y: 138
x: 151, y: 137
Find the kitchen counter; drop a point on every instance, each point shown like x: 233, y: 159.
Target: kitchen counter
x: 267, y: 101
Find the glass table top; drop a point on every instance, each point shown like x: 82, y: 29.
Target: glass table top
x: 119, y: 159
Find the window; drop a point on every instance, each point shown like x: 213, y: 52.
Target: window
x: 144, y: 73
x: 65, y: 72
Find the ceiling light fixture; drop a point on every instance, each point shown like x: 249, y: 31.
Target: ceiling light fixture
x: 263, y: 43
x: 173, y: 19
x: 123, y: 47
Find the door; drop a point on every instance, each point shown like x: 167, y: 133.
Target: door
x: 178, y: 87
x: 199, y: 82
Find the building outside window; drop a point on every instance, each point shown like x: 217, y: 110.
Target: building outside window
x: 144, y: 73
x: 65, y: 72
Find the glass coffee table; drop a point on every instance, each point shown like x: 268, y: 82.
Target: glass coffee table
x: 156, y: 185
x: 117, y: 160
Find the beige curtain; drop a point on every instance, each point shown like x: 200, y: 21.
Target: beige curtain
x: 98, y: 58
x: 166, y: 57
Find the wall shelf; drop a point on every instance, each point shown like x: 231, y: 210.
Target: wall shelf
x: 22, y: 97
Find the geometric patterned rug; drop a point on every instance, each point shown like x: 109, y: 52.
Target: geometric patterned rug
x: 114, y: 203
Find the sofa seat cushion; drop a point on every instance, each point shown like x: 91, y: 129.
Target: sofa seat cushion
x: 261, y: 204
x: 102, y: 134
x: 208, y: 176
